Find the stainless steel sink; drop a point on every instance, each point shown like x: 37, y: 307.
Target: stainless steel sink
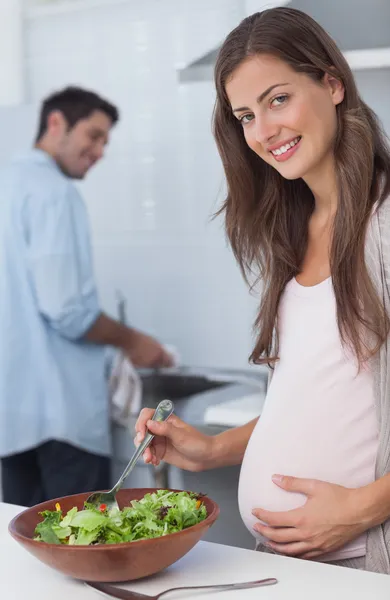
x: 193, y: 389
x: 178, y: 385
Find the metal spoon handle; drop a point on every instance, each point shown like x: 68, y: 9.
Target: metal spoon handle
x: 228, y: 586
x: 162, y: 412
x: 114, y: 592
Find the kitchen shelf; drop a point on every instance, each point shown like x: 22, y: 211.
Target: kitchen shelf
x: 370, y: 58
x: 359, y: 60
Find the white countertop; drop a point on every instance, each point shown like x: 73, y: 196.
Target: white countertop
x: 23, y: 577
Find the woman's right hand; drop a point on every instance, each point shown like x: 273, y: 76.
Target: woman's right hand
x: 175, y: 442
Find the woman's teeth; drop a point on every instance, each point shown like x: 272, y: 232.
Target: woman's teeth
x: 284, y: 149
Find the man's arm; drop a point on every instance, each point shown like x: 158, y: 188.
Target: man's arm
x: 143, y: 350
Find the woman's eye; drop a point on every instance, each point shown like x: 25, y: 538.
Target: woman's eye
x: 245, y: 119
x: 279, y: 100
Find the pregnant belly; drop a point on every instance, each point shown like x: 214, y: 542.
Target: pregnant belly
x: 292, y: 448
x: 256, y: 488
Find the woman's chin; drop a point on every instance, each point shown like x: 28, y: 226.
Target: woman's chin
x: 291, y: 172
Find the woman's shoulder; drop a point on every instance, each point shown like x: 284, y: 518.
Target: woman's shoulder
x: 383, y: 209
x: 377, y: 241
x: 380, y: 221
x: 377, y: 246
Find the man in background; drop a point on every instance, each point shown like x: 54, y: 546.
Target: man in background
x: 54, y: 410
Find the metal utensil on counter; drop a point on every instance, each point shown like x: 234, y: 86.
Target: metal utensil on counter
x: 114, y: 592
x: 162, y: 413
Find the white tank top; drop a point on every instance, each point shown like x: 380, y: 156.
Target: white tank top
x: 319, y: 417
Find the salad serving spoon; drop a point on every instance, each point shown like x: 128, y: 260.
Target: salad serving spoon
x: 97, y: 499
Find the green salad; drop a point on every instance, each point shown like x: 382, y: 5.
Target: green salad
x: 155, y: 515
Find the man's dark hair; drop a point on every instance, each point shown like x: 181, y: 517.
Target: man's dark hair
x: 75, y: 104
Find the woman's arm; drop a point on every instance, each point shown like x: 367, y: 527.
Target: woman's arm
x: 183, y: 446
x: 229, y: 447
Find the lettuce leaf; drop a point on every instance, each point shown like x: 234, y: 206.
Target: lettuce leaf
x: 156, y: 514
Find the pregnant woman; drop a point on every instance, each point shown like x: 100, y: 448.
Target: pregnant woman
x: 308, y: 213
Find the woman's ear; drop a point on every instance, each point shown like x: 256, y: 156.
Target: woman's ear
x: 335, y: 87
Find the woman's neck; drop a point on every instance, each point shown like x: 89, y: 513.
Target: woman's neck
x: 323, y: 184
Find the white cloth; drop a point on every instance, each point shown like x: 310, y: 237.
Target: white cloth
x: 319, y: 418
x: 125, y: 388
x: 125, y: 391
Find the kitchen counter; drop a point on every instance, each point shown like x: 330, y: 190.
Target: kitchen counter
x: 22, y: 576
x: 235, y: 412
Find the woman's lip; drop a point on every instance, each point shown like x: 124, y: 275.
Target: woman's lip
x: 281, y: 144
x: 286, y: 155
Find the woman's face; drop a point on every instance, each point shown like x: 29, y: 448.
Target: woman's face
x: 288, y: 119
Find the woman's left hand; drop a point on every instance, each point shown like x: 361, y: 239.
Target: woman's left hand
x: 331, y: 517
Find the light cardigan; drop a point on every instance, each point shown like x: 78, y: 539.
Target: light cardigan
x: 377, y: 257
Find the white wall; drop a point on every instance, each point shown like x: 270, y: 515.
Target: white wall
x: 151, y: 198
x: 11, y: 46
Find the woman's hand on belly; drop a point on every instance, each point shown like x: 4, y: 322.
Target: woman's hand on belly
x: 330, y: 518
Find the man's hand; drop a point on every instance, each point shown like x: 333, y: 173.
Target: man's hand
x: 145, y: 351
x: 142, y: 350
x: 329, y: 519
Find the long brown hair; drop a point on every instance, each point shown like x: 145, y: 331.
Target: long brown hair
x: 267, y: 216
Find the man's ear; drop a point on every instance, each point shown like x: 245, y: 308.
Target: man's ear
x: 56, y: 123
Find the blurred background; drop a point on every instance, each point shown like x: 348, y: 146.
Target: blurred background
x: 157, y: 253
